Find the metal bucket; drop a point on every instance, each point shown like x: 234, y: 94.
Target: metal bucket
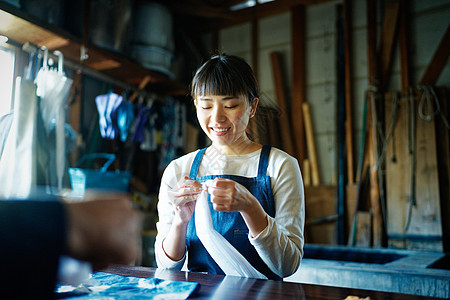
x: 152, y: 25
x: 152, y: 41
x: 110, y: 23
x: 154, y: 58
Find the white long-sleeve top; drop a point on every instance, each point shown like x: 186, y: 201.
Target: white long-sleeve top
x: 280, y: 244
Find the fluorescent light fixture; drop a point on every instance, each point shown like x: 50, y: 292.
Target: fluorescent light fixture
x: 249, y: 3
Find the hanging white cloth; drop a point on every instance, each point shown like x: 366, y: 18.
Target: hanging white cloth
x: 18, y: 161
x: 5, y: 127
x: 53, y: 88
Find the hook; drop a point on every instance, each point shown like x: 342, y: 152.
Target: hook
x: 45, y: 61
x: 60, y: 61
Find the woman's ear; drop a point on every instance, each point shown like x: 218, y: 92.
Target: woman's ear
x: 253, y: 107
x: 195, y: 102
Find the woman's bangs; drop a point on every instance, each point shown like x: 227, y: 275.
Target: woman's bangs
x: 217, y: 84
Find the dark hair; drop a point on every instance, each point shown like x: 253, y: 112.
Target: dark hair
x: 225, y: 75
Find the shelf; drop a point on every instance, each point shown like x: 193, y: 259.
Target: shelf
x: 21, y: 28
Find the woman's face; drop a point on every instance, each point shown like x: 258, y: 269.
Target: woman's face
x: 224, y: 119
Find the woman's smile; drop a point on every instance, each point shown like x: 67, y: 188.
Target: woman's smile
x: 220, y: 131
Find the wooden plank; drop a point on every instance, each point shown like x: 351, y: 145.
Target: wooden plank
x: 371, y: 13
x: 364, y: 229
x: 285, y: 120
x: 438, y: 61
x: 377, y: 222
x: 320, y: 204
x: 351, y: 194
x: 425, y: 217
x: 360, y: 205
x: 306, y: 173
x: 388, y: 35
x: 298, y: 86
x: 363, y: 165
x: 377, y: 218
x: 404, y: 45
x: 348, y: 90
x: 398, y: 166
x: 311, y: 144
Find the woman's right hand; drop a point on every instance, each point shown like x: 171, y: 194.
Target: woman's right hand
x: 183, y: 198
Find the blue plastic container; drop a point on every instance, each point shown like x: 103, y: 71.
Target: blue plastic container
x: 82, y: 179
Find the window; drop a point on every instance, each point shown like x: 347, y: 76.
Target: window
x: 6, y: 79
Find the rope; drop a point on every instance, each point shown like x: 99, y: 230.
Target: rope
x: 428, y: 95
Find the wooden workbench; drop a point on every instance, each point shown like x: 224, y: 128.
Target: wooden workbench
x: 230, y: 287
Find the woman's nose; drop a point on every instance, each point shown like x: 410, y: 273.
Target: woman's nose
x: 218, y: 114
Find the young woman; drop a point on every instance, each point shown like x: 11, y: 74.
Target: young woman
x: 256, y: 192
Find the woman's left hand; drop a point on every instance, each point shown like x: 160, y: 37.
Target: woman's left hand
x: 228, y: 195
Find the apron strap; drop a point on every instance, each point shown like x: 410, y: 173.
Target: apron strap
x: 264, y: 160
x: 196, y: 163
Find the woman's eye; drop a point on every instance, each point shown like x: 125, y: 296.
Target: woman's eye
x: 232, y: 106
x: 206, y: 107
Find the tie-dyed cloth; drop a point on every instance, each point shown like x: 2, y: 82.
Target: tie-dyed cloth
x: 109, y: 286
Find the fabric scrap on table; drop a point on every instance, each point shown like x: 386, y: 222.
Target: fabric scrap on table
x: 110, y: 286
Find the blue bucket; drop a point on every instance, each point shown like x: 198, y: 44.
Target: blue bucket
x: 82, y: 179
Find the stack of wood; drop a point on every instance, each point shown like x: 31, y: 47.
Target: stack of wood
x: 395, y: 192
x: 400, y: 187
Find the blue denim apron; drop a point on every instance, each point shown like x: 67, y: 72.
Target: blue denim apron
x: 231, y: 224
